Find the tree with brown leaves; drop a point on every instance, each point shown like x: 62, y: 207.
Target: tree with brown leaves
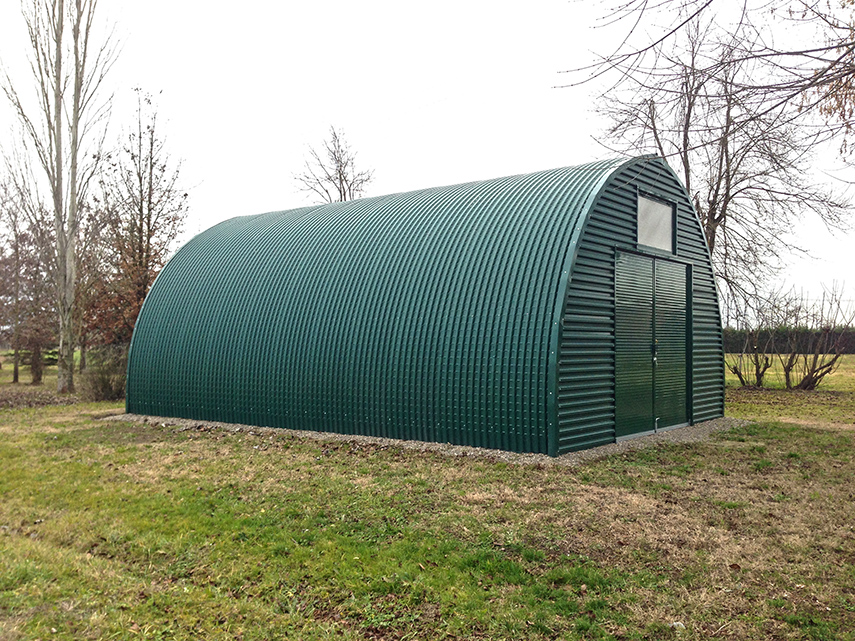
x: 143, y: 207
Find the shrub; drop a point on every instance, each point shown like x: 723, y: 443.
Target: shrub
x: 25, y: 356
x: 104, y: 376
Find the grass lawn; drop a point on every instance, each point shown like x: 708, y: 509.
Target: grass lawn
x: 832, y: 403
x: 113, y: 530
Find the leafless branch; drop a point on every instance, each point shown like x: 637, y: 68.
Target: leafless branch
x: 746, y: 166
x: 332, y: 175
x: 60, y: 127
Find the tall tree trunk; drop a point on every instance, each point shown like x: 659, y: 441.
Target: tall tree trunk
x: 82, y: 365
x: 65, y: 361
x: 36, y: 364
x: 64, y: 243
x: 16, y: 307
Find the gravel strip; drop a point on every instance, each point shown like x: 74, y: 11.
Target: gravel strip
x: 689, y: 434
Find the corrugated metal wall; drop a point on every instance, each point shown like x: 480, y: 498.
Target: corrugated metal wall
x: 586, y: 364
x: 427, y: 315
x: 437, y: 315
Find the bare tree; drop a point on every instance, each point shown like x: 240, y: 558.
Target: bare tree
x: 27, y: 321
x: 804, y: 50
x: 752, y: 317
x: 143, y: 208
x: 807, y: 337
x: 36, y: 328
x: 331, y: 174
x: 61, y: 130
x: 744, y: 161
x: 11, y: 224
x: 814, y: 339
x: 93, y: 268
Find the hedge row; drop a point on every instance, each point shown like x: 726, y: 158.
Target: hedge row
x: 782, y: 340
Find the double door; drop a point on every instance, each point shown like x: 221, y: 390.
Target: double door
x: 651, y: 341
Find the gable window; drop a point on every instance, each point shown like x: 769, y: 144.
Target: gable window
x: 655, y: 224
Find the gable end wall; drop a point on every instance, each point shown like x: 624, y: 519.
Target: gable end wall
x: 586, y: 365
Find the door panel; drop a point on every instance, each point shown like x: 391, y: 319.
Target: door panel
x: 670, y: 339
x: 633, y: 341
x: 650, y: 344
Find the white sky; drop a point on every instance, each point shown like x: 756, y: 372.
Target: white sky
x: 427, y: 94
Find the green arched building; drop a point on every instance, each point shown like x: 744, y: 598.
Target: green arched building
x: 546, y: 312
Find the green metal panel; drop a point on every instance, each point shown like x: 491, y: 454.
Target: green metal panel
x: 426, y: 315
x: 650, y: 344
x: 480, y: 314
x: 634, y: 340
x: 669, y: 372
x: 585, y: 386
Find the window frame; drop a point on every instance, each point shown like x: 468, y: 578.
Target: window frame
x: 672, y: 250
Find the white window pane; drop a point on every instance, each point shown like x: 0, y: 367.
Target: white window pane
x: 655, y: 224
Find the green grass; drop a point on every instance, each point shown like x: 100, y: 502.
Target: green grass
x: 842, y: 379
x: 832, y: 402
x: 114, y: 530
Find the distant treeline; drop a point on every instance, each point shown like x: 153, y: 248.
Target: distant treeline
x: 787, y: 340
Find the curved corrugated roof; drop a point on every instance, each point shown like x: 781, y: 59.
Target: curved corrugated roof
x: 427, y: 315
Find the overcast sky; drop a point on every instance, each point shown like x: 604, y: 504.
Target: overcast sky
x: 427, y: 94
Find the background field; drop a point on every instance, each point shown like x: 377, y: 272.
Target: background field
x: 842, y: 379
x: 832, y: 402
x: 125, y: 531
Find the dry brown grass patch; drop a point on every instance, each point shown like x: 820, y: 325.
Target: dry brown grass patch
x: 821, y: 425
